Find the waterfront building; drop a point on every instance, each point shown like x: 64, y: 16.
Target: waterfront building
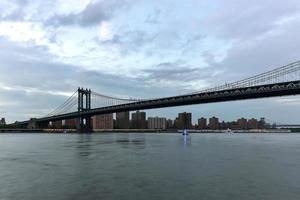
x: 184, y: 120
x: 223, y: 125
x: 122, y: 120
x: 253, y: 124
x: 213, y: 123
x: 157, y: 123
x: 233, y: 125
x: 242, y: 123
x: 202, y: 123
x: 138, y: 120
x: 170, y: 124
x: 103, y: 121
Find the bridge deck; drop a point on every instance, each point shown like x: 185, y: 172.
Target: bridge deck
x: 254, y: 92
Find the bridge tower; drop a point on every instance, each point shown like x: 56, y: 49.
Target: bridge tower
x: 84, y: 104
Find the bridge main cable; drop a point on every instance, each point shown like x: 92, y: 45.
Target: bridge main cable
x: 69, y: 103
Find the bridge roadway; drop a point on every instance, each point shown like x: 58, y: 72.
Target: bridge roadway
x: 252, y: 92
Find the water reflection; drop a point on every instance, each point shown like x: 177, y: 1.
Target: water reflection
x: 127, y: 142
x: 88, y: 144
x: 186, y: 140
x: 84, y: 145
x: 153, y: 166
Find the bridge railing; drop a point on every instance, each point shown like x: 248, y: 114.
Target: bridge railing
x: 290, y: 72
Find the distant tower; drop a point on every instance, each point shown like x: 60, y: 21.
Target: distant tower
x: 2, y: 121
x: 138, y: 120
x: 84, y: 104
x: 184, y: 120
x: 122, y: 120
x: 213, y: 123
x: 202, y: 123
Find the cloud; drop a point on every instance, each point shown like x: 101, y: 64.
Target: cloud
x: 153, y: 18
x: 248, y: 58
x: 138, y: 48
x: 33, y: 79
x: 173, y: 71
x: 94, y: 14
x: 180, y: 75
x: 236, y: 19
x: 12, y: 10
x: 289, y: 101
x: 129, y: 41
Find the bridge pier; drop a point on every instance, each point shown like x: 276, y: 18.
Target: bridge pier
x: 84, y: 125
x: 84, y: 104
x: 33, y: 124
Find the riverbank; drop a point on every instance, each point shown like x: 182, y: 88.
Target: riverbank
x: 146, y: 131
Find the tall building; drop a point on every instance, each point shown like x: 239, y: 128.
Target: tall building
x: 213, y: 123
x: 170, y: 124
x: 223, y: 125
x: 242, y: 123
x: 184, y: 120
x: 233, y: 125
x: 122, y: 120
x: 202, y: 123
x: 2, y: 121
x: 138, y: 120
x: 157, y: 123
x: 103, y: 121
x: 253, y: 124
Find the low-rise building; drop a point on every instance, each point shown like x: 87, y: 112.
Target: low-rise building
x: 70, y: 123
x: 103, y: 121
x: 242, y: 123
x: 183, y: 121
x: 157, y: 123
x: 202, y: 123
x: 138, y: 120
x: 170, y: 124
x: 213, y: 123
x: 252, y: 124
x: 122, y: 120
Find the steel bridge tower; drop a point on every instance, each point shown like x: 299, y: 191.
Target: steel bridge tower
x: 84, y: 104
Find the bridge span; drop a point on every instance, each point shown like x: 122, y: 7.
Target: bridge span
x: 84, y: 103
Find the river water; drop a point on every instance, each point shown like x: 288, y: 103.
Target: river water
x: 150, y: 166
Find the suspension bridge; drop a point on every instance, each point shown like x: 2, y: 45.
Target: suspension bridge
x: 84, y: 103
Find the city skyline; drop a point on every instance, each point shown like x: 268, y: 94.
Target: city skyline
x: 140, y: 120
x: 146, y: 49
x: 123, y: 120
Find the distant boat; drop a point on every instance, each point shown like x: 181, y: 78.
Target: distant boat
x: 185, y: 132
x: 229, y: 130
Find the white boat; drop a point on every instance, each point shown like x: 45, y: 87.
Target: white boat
x: 229, y: 130
x: 185, y: 132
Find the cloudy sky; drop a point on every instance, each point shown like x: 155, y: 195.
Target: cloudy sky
x: 144, y: 48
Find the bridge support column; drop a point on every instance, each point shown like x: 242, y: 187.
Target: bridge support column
x: 84, y: 104
x: 32, y: 124
x: 84, y: 125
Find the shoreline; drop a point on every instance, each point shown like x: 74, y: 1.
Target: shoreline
x: 159, y: 131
